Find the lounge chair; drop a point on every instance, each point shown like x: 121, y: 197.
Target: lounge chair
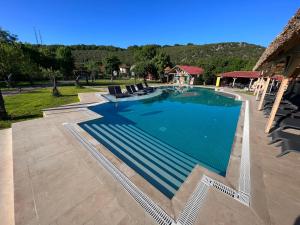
x: 285, y: 107
x: 280, y: 135
x: 290, y: 122
x: 288, y: 94
x: 120, y: 93
x: 147, y: 86
x: 129, y: 90
x: 288, y: 146
x: 116, y: 91
x: 138, y: 92
x: 280, y: 112
x: 141, y: 88
x: 111, y: 90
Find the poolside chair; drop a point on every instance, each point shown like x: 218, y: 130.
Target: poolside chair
x: 141, y: 88
x: 288, y: 146
x: 116, y: 91
x: 289, y: 93
x: 129, y: 90
x: 147, y: 86
x: 286, y: 107
x: 280, y: 112
x: 111, y: 90
x: 138, y: 92
x: 290, y: 122
x: 120, y: 93
x: 280, y: 135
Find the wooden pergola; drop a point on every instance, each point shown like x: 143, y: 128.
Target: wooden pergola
x: 281, y: 57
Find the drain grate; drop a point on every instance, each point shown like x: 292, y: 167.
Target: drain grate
x: 190, y: 211
x: 158, y: 214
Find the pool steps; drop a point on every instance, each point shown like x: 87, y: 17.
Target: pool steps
x: 152, y: 155
x: 177, y: 163
x: 139, y: 165
x: 165, y: 166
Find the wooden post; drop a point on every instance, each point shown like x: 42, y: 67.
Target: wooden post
x: 234, y: 79
x: 257, y: 85
x: 266, y: 85
x: 276, y: 104
x: 272, y: 85
x: 250, y: 84
x: 259, y: 88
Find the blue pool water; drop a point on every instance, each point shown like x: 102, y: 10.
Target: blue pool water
x: 164, y: 137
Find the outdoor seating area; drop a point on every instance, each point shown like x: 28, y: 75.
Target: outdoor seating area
x: 131, y: 90
x: 281, y: 105
x: 286, y: 129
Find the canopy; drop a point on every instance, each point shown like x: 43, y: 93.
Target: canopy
x: 241, y: 74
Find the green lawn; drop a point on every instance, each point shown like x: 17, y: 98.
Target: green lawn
x: 98, y: 82
x: 29, y: 105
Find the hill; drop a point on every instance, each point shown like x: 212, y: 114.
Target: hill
x: 191, y: 54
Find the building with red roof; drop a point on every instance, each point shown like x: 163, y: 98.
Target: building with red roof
x: 239, y: 78
x: 241, y: 74
x: 184, y: 72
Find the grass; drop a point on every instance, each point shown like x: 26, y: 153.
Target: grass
x: 29, y: 105
x: 98, y: 82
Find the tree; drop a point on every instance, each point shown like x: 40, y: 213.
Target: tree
x: 93, y: 68
x: 7, y: 37
x: 142, y: 69
x: 161, y: 61
x: 53, y: 75
x: 6, y: 53
x: 146, y: 53
x: 111, y: 64
x: 65, y: 61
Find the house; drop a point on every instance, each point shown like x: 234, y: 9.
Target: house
x: 124, y: 69
x: 183, y: 72
x: 243, y: 77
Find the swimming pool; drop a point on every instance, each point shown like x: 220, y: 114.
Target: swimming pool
x: 164, y: 137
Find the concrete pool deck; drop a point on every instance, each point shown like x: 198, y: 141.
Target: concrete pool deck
x: 56, y: 181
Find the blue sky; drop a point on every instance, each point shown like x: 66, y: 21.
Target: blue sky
x: 125, y: 23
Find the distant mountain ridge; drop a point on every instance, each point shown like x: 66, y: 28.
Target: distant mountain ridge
x: 191, y: 54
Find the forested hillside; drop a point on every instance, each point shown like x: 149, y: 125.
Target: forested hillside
x: 28, y: 62
x: 179, y: 54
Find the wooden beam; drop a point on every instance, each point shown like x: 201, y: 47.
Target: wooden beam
x: 265, y: 89
x: 259, y: 88
x: 276, y: 104
x: 257, y: 85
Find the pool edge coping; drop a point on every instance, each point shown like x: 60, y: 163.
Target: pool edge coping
x: 242, y: 191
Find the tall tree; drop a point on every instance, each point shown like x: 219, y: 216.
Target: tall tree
x: 111, y: 64
x: 93, y: 68
x: 161, y: 61
x: 65, y: 61
x: 53, y: 75
x: 146, y: 53
x: 7, y: 37
x: 142, y: 69
x: 6, y: 40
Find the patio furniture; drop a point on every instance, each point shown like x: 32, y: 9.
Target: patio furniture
x: 280, y: 135
x: 290, y: 122
x: 148, y: 87
x: 289, y: 146
x: 129, y: 90
x: 141, y: 88
x: 116, y: 91
x: 280, y: 112
x: 135, y: 91
x: 120, y: 93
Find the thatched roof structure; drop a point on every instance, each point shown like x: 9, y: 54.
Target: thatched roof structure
x: 284, y: 42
